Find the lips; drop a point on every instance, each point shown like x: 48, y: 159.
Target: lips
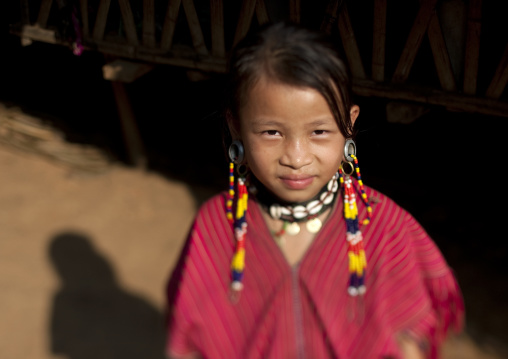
x: 297, y: 182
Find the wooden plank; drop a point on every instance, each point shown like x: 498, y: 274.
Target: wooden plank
x: 195, y: 28
x: 125, y: 71
x: 350, y: 46
x: 100, y: 21
x: 244, y: 20
x: 128, y: 22
x: 217, y: 27
x: 440, y: 53
x: 168, y: 29
x: 294, y: 11
x: 379, y: 41
x: 148, y: 36
x: 450, y: 100
x: 330, y: 18
x: 33, y: 32
x: 42, y: 18
x: 261, y: 12
x: 85, y: 25
x: 414, y: 41
x: 474, y: 26
x: 498, y: 83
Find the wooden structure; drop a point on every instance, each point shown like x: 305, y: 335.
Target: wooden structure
x: 403, y: 58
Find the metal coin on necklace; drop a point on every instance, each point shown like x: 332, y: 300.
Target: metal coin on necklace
x: 314, y: 225
x: 292, y: 229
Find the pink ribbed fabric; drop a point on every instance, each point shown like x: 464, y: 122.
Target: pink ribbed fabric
x: 304, y: 311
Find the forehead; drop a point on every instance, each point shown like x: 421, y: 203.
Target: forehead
x: 273, y: 100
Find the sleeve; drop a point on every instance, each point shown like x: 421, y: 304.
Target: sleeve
x: 413, y: 289
x: 441, y: 290
x: 180, y: 328
x: 198, y: 284
x: 441, y: 286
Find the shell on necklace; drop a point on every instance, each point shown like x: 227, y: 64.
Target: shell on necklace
x: 275, y: 211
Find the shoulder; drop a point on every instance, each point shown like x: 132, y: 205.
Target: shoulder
x: 389, y: 217
x: 215, y: 206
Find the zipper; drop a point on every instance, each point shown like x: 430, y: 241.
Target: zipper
x: 298, y: 313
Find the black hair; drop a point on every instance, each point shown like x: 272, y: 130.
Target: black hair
x: 293, y: 55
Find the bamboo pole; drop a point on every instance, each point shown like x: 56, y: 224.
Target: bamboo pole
x: 148, y: 23
x: 379, y: 41
x: 414, y: 41
x: 474, y: 26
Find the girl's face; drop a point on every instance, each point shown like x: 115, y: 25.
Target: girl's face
x: 292, y: 143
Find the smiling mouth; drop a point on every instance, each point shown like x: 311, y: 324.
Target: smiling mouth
x: 297, y: 182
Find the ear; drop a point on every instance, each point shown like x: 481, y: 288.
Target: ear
x: 233, y: 126
x: 353, y: 113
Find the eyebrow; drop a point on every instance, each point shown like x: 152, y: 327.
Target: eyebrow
x: 269, y: 122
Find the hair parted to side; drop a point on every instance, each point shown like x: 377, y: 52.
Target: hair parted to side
x: 293, y: 55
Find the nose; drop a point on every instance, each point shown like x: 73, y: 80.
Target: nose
x: 296, y: 154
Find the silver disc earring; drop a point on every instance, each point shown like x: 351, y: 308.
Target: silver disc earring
x: 349, y: 149
x: 236, y: 152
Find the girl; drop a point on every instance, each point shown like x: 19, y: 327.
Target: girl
x: 277, y: 266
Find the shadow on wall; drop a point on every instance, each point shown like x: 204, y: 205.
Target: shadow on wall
x: 92, y: 317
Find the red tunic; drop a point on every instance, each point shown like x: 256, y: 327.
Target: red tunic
x: 304, y: 311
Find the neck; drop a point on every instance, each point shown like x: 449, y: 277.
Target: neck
x: 296, y: 211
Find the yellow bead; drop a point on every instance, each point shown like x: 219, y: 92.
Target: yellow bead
x: 238, y: 262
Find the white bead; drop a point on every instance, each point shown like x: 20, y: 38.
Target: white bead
x: 362, y: 289
x: 237, y: 285
x: 352, y: 291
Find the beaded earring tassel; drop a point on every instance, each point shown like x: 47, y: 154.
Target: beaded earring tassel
x: 240, y: 229
x: 231, y: 193
x: 356, y: 252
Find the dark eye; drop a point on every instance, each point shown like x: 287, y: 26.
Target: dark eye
x: 272, y: 132
x: 319, y: 132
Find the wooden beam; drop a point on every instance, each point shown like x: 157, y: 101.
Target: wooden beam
x: 148, y: 23
x: 414, y: 41
x: 474, y: 25
x: 100, y: 20
x: 350, y: 46
x: 125, y: 71
x: 130, y: 131
x: 441, y: 57
x: 452, y: 101
x: 195, y: 28
x: 217, y: 27
x: 25, y: 12
x: 500, y: 79
x: 32, y: 32
x: 168, y: 29
x: 294, y: 11
x: 244, y: 20
x: 42, y: 18
x: 379, y: 41
x: 128, y: 21
x: 85, y: 25
x: 330, y: 18
x: 261, y: 12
